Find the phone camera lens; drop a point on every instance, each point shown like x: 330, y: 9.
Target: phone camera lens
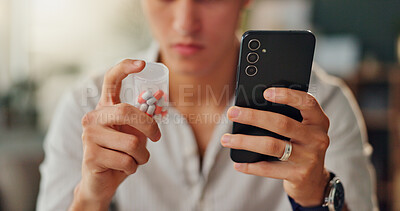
x: 254, y: 44
x: 252, y: 58
x: 251, y: 70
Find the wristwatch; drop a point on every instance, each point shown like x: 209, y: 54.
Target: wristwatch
x: 333, y: 199
x: 334, y: 194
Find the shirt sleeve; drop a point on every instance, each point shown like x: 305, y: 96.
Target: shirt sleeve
x: 61, y: 168
x: 348, y: 155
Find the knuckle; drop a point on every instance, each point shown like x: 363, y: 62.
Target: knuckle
x: 325, y: 142
x: 322, y: 141
x: 133, y: 144
x: 303, y: 175
x: 87, y: 119
x: 238, y: 140
x: 274, y: 147
x: 248, y: 115
x: 283, y: 123
x: 84, y: 137
x: 89, y: 134
x: 127, y: 163
x: 89, y: 156
x: 133, y: 169
x: 310, y: 101
x: 123, y: 109
x: 146, y: 157
x: 313, y: 160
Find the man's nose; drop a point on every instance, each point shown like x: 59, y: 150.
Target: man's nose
x: 187, y: 20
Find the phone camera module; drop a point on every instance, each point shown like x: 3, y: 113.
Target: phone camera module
x: 251, y: 70
x: 254, y: 44
x: 252, y: 58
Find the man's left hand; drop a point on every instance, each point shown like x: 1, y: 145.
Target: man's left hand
x: 304, y: 173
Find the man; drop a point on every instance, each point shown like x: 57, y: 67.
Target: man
x: 93, y: 163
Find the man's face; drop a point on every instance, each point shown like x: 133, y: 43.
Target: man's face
x: 194, y: 35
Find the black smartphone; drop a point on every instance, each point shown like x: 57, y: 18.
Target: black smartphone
x: 270, y: 59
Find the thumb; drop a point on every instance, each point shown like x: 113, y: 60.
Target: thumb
x: 113, y: 80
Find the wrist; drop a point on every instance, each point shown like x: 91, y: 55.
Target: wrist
x: 317, y: 198
x: 83, y: 201
x: 333, y: 198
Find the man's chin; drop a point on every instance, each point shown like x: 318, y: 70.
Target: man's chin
x: 191, y: 70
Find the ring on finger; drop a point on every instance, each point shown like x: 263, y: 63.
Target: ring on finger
x: 287, y: 152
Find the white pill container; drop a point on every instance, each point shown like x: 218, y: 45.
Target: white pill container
x: 151, y: 89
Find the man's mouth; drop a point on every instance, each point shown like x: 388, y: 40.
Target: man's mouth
x: 187, y: 49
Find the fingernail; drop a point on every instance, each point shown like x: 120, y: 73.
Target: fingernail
x: 138, y: 63
x: 226, y: 139
x: 239, y: 166
x: 233, y: 112
x: 269, y: 93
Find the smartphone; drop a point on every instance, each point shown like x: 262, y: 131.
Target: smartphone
x: 270, y: 59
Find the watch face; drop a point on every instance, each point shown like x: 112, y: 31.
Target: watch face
x: 339, y: 195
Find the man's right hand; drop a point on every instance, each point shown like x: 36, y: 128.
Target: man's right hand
x: 114, y: 142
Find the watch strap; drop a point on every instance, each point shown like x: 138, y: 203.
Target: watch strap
x: 298, y: 207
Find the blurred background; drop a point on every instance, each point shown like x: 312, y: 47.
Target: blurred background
x: 46, y: 46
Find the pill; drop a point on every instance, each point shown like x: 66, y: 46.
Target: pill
x: 151, y: 109
x: 158, y: 94
x: 158, y: 110
x: 145, y: 96
x: 151, y: 101
x: 143, y: 107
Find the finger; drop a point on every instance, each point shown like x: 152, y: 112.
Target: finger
x: 123, y: 114
x: 276, y: 170
x: 261, y: 144
x: 125, y: 143
x: 271, y: 121
x: 113, y: 79
x: 110, y: 159
x: 303, y: 101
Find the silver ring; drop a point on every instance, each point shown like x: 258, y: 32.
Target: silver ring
x: 287, y: 152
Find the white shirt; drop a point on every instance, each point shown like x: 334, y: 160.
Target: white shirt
x: 172, y: 179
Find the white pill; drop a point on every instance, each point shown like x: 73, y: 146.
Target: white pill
x: 143, y: 107
x: 147, y: 95
x: 151, y: 101
x: 151, y: 109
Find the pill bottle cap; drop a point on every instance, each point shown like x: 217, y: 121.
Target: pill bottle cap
x: 153, y: 72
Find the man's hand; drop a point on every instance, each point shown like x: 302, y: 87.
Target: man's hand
x: 114, y: 142
x: 304, y: 174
